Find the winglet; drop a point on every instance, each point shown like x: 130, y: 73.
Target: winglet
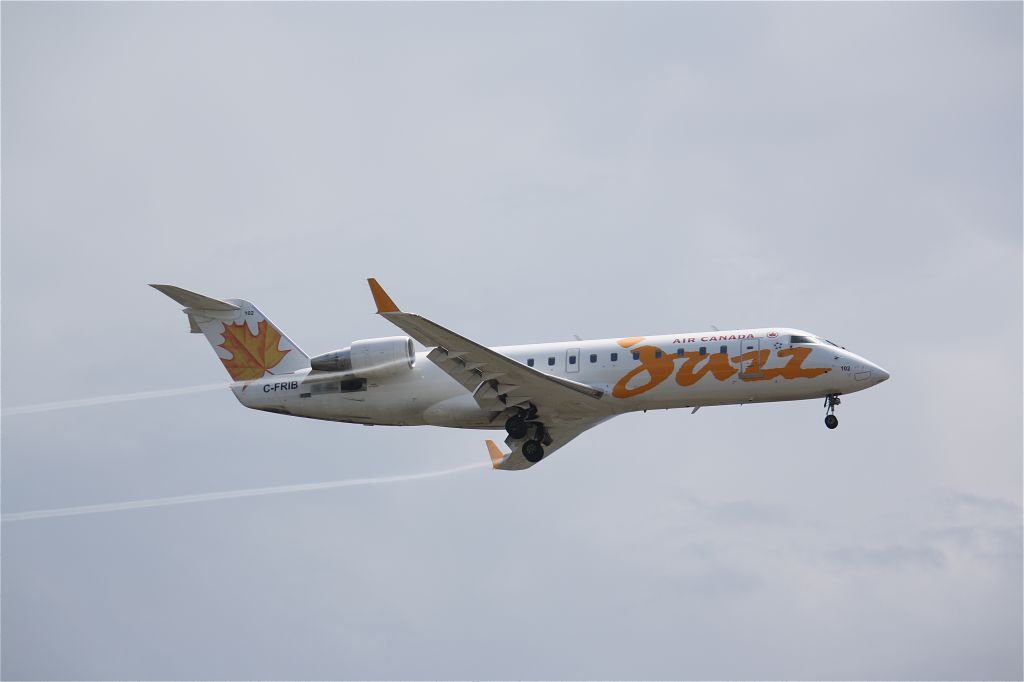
x: 497, y: 456
x: 381, y: 298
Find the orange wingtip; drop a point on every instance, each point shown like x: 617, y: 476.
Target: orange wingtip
x: 497, y: 456
x: 381, y: 298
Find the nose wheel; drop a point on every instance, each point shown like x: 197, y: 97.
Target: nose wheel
x: 831, y: 420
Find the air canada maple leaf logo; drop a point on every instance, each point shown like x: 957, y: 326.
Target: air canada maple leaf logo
x: 252, y: 355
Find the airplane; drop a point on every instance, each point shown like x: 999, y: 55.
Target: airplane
x: 543, y: 395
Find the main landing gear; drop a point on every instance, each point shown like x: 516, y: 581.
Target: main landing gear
x: 831, y: 420
x: 533, y: 451
x: 523, y: 425
x: 517, y: 426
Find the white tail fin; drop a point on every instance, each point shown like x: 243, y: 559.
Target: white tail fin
x: 248, y: 344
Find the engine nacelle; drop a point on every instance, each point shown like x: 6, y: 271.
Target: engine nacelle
x: 369, y: 358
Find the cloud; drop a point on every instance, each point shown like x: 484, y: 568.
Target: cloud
x: 889, y: 557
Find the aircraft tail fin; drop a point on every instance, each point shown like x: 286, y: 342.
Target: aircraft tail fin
x: 246, y: 341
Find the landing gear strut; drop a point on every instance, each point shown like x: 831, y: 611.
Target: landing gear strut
x: 831, y: 421
x: 518, y: 425
x: 522, y: 425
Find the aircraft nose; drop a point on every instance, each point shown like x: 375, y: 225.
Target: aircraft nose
x: 879, y: 374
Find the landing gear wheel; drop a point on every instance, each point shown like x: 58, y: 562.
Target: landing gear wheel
x: 516, y: 426
x: 532, y: 451
x: 831, y: 421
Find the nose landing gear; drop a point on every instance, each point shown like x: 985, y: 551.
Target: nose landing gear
x: 831, y: 420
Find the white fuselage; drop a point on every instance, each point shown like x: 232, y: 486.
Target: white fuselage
x: 640, y: 373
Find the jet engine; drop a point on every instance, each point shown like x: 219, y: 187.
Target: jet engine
x: 369, y: 358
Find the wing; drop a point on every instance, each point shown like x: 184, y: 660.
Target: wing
x: 560, y: 433
x: 497, y: 382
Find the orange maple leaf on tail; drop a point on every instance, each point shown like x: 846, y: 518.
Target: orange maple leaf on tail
x: 251, y: 355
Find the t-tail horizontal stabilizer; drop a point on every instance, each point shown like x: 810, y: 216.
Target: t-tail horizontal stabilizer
x: 191, y: 299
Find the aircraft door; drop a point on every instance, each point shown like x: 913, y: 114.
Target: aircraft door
x: 750, y: 359
x: 572, y: 360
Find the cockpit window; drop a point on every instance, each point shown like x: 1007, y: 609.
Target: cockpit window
x: 812, y: 339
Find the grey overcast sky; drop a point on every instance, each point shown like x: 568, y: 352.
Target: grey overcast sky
x: 518, y: 172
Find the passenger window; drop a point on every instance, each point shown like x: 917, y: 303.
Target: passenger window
x: 593, y: 357
x: 551, y: 362
x: 636, y: 355
x: 703, y: 350
x: 572, y: 359
x: 724, y: 350
x: 529, y: 363
x: 657, y: 354
x: 680, y: 352
x: 615, y: 357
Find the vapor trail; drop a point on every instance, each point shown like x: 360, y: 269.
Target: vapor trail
x: 103, y: 400
x: 230, y: 494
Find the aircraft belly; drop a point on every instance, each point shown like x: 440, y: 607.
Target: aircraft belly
x: 346, y: 408
x: 377, y: 404
x: 424, y: 396
x: 459, y: 411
